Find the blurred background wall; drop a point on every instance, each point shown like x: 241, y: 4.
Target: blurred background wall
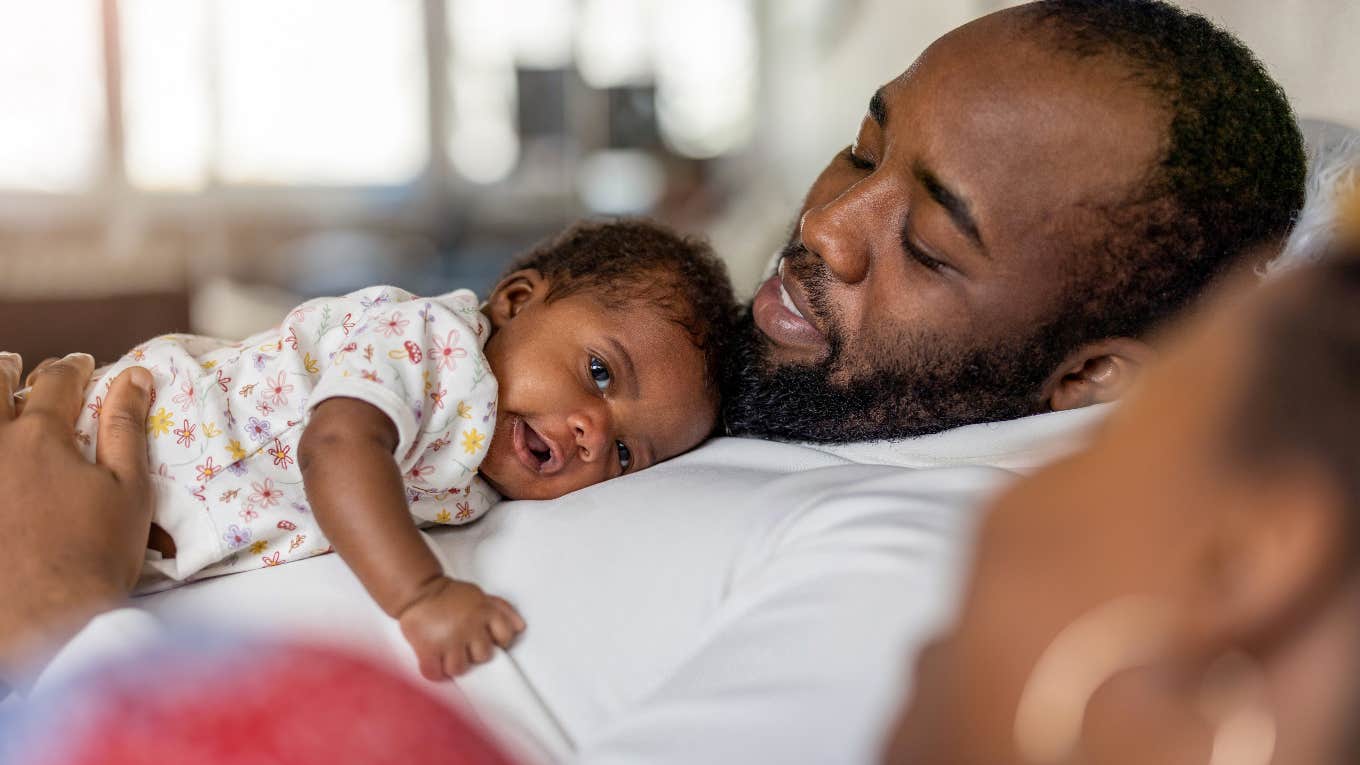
x: 203, y: 164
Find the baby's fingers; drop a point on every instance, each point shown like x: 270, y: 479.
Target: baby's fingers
x: 502, y: 605
x: 455, y: 660
x: 432, y: 666
x: 479, y: 650
x: 504, y: 623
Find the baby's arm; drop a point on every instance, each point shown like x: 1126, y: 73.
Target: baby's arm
x: 356, y: 491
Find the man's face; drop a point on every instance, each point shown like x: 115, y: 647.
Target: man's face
x: 932, y: 257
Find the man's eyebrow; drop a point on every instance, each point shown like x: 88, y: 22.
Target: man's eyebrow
x: 878, y: 108
x: 958, y: 208
x: 626, y: 361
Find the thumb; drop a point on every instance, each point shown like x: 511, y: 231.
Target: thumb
x: 122, y: 432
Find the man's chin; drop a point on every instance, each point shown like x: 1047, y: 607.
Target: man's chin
x: 798, y: 403
x: 933, y: 390
x: 772, y: 356
x: 767, y: 396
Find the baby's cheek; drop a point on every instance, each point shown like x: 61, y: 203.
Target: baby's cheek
x: 498, y: 463
x: 523, y: 485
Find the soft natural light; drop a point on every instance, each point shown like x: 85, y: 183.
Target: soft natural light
x: 542, y: 32
x: 483, y: 145
x: 480, y: 32
x: 320, y: 92
x: 167, y: 96
x: 621, y: 182
x: 706, y: 75
x: 52, y: 88
x: 484, y: 151
x: 324, y: 93
x: 614, y: 43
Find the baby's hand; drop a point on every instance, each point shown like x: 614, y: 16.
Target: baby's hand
x: 453, y: 625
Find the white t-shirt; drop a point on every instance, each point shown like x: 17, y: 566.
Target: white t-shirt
x: 747, y: 602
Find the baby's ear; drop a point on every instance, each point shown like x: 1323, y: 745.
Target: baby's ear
x: 515, y: 291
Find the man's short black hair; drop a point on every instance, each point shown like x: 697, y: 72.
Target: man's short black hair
x: 628, y: 261
x: 1228, y: 184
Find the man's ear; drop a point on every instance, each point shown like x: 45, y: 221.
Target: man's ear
x: 1097, y: 373
x: 513, y: 293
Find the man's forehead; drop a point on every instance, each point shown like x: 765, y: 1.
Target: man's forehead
x: 992, y: 112
x: 995, y: 65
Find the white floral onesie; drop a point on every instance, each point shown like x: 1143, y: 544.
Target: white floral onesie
x: 226, y: 419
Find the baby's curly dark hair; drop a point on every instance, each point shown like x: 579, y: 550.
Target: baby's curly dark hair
x: 626, y: 261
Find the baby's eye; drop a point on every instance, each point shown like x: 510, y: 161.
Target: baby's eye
x: 625, y: 456
x: 599, y: 373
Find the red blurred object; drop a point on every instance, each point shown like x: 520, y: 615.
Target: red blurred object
x: 300, y: 705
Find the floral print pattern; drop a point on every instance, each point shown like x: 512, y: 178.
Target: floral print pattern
x: 227, y: 417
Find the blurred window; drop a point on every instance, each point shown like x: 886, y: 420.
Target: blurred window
x: 688, y: 69
x: 482, y: 142
x: 318, y: 93
x: 167, y: 104
x: 699, y: 55
x: 52, y: 89
x: 260, y: 92
x: 706, y: 60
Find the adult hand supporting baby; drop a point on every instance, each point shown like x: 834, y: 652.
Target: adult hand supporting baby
x: 72, y: 534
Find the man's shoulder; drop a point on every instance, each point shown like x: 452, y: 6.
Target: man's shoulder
x: 763, y: 492
x: 1015, y: 445
x: 753, y: 455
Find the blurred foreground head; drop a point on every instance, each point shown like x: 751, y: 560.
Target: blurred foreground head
x: 1188, y: 589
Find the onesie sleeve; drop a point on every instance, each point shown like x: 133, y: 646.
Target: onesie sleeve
x: 419, y: 361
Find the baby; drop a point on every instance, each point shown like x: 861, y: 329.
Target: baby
x: 365, y: 417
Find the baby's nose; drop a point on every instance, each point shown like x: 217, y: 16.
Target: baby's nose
x: 590, y: 431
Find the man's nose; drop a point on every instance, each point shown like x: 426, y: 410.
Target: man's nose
x: 590, y: 431
x: 841, y: 230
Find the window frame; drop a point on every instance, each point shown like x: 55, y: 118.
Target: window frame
x: 111, y: 193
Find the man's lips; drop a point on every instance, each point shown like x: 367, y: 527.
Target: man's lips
x: 538, y: 453
x: 781, y: 312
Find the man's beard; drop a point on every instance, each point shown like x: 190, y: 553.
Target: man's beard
x: 924, y: 386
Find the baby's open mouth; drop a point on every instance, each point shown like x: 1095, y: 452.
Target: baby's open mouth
x: 536, y: 451
x: 537, y: 447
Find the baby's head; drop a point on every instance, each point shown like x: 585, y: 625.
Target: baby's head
x: 606, y: 344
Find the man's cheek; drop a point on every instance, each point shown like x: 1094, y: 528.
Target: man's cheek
x: 841, y: 316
